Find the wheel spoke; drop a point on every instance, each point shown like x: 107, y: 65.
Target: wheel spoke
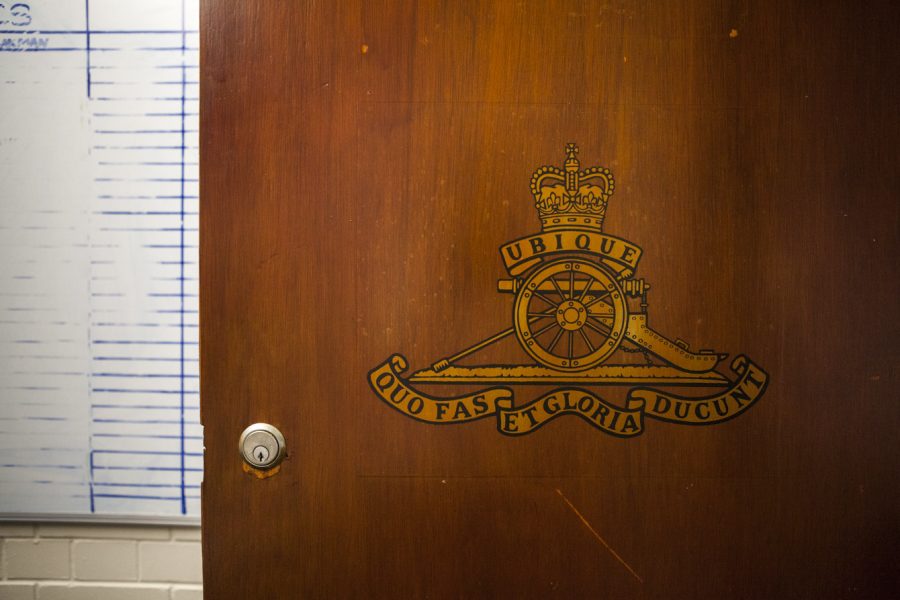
x: 558, y: 289
x: 537, y: 294
x: 609, y: 311
x: 605, y: 334
x: 587, y: 288
x: 543, y: 329
x: 571, y: 284
x: 555, y: 340
x: 542, y: 315
x: 586, y: 339
x: 597, y: 299
x: 602, y: 319
x: 571, y: 338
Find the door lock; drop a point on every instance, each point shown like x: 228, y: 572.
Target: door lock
x: 262, y: 446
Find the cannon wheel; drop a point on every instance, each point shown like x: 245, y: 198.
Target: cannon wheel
x: 570, y: 315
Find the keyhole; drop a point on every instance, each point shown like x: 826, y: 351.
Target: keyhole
x: 261, y: 453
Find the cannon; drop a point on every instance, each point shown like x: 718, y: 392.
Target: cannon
x: 576, y: 299
x: 573, y: 313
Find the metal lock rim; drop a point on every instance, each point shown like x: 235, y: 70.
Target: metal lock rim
x: 271, y: 458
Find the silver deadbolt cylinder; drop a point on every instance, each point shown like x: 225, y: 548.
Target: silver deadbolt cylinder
x: 262, y: 446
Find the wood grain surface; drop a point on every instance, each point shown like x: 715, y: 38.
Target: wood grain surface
x: 361, y: 164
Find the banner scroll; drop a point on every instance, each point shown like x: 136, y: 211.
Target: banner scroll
x: 521, y: 254
x: 387, y: 382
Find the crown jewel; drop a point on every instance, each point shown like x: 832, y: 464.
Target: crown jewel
x: 571, y: 198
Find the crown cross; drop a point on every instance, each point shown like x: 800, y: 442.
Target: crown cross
x: 572, y: 198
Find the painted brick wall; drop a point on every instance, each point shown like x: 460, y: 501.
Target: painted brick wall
x: 99, y: 562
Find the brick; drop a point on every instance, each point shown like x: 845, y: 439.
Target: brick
x: 187, y: 593
x: 16, y: 591
x: 94, y: 591
x: 36, y: 559
x: 104, y: 560
x: 16, y: 530
x: 177, y: 562
x: 191, y: 534
x: 111, y: 532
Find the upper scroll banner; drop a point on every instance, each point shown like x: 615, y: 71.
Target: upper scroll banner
x: 520, y: 255
x: 577, y: 306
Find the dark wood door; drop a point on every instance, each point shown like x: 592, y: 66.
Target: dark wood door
x: 362, y: 162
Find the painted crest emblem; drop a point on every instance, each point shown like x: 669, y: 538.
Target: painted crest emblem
x: 577, y: 306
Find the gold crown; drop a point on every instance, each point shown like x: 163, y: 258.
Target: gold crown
x: 570, y: 198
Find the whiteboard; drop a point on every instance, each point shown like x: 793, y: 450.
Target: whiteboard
x: 99, y: 390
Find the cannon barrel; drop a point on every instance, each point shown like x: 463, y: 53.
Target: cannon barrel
x: 508, y: 286
x: 634, y: 287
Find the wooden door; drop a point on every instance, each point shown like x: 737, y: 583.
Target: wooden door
x: 362, y: 162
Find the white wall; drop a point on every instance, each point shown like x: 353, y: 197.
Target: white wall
x: 99, y: 562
